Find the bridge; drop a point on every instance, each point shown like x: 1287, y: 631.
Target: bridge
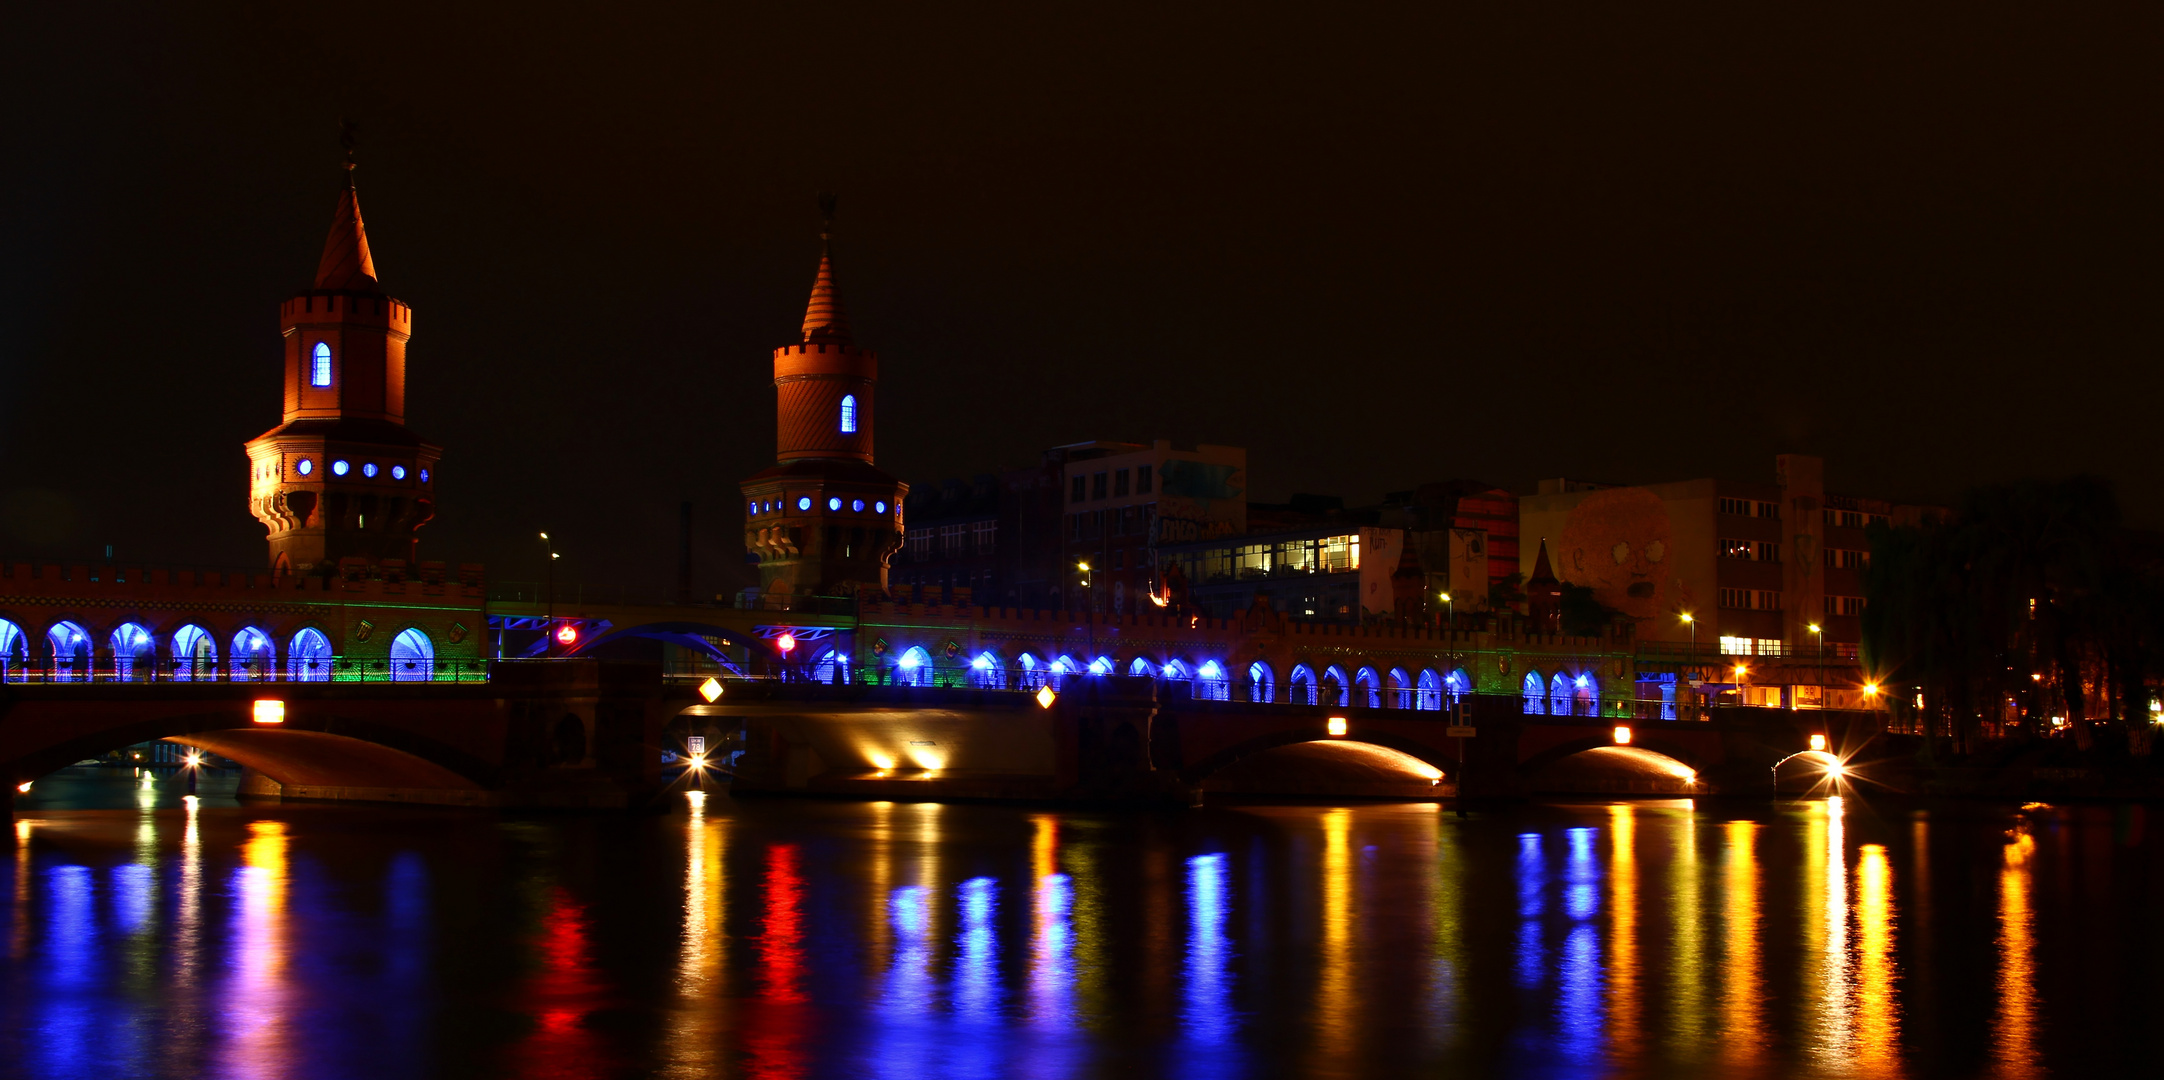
x: 597, y: 733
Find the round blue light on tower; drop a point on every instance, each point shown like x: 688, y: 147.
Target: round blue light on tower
x: 369, y: 470
x: 880, y: 507
x: 803, y: 502
x: 340, y: 468
x: 424, y: 476
x: 834, y: 503
x: 305, y: 466
x: 398, y: 472
x: 755, y: 509
x: 857, y: 506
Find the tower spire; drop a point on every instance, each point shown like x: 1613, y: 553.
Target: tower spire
x: 346, y: 265
x: 824, y: 320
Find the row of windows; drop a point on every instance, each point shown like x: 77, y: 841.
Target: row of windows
x: 1121, y: 482
x: 1309, y: 555
x: 191, y: 654
x: 1743, y: 646
x: 1755, y: 550
x: 804, y: 504
x: 1848, y: 559
x: 1844, y: 605
x: 1750, y: 508
x: 1751, y: 599
x: 959, y: 538
x: 1577, y: 695
x: 1119, y: 521
x: 1854, y: 519
x: 340, y: 467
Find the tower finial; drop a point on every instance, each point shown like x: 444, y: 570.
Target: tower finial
x: 349, y: 136
x: 823, y: 317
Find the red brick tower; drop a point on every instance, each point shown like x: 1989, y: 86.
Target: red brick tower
x: 342, y: 478
x: 823, y: 521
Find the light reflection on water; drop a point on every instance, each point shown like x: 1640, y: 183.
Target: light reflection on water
x: 910, y: 941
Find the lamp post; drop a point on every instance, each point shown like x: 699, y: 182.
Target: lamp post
x: 1818, y: 637
x: 549, y: 643
x: 1451, y: 606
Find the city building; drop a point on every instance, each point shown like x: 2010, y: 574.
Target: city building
x: 1124, y: 500
x: 1765, y: 569
x: 823, y: 520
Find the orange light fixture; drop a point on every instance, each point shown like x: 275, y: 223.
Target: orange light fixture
x: 1045, y: 696
x: 710, y: 689
x: 1622, y: 736
x: 786, y: 643
x: 1818, y: 743
x: 1337, y: 725
x: 567, y: 634
x: 270, y: 711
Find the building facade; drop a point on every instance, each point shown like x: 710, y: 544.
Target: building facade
x: 1765, y: 569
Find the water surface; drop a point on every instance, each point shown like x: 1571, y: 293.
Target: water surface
x: 814, y: 939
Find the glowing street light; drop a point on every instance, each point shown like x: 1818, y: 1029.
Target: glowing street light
x: 1337, y: 726
x: 1818, y: 743
x: 1819, y: 637
x: 1622, y: 736
x: 1452, y: 605
x: 270, y: 711
x: 786, y: 643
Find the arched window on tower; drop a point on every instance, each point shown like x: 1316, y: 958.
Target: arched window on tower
x: 849, y: 414
x: 319, y: 372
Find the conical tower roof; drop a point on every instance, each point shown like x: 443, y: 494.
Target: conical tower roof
x: 346, y: 265
x: 824, y: 319
x: 1542, y: 573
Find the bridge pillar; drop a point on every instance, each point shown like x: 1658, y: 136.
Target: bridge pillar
x: 1110, y: 743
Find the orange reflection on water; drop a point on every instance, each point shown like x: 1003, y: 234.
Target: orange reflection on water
x: 701, y: 974
x: 1743, y: 1032
x: 1051, y: 936
x: 1625, y: 1037
x: 20, y: 942
x: 1878, y: 1010
x: 1334, y: 991
x: 2015, y: 1047
x: 257, y: 1012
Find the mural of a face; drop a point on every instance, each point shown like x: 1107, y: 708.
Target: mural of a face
x: 1618, y: 544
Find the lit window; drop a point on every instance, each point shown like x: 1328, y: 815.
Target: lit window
x: 849, y: 414
x: 803, y: 502
x: 398, y: 472
x: 369, y: 470
x: 857, y: 506
x: 340, y: 468
x: 305, y: 466
x: 320, y: 373
x: 879, y: 507
x: 755, y: 508
x: 424, y: 476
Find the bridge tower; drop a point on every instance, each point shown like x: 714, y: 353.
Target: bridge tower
x: 824, y: 520
x: 343, y: 477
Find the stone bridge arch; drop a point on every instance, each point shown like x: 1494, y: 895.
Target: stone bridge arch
x: 1305, y: 761
x: 332, y: 756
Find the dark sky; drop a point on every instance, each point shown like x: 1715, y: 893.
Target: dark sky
x: 1376, y: 245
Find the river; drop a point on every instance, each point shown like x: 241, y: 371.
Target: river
x: 784, y: 938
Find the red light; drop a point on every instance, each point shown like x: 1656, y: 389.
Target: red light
x: 567, y: 634
x: 786, y: 642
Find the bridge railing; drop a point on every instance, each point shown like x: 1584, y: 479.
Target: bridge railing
x: 336, y: 669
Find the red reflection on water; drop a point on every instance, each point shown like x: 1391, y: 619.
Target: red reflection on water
x: 561, y: 994
x: 774, y: 1038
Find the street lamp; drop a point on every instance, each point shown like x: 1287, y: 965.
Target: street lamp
x: 1087, y: 579
x: 1818, y: 636
x: 1453, y: 608
x: 550, y: 645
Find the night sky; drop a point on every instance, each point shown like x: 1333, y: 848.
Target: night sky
x: 1376, y: 245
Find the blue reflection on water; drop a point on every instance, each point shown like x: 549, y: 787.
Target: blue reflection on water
x: 976, y: 970
x: 909, y: 978
x: 65, y: 1001
x: 1051, y: 968
x: 131, y: 896
x: 1532, y: 880
x: 1581, y: 898
x: 1207, y: 1018
x: 1578, y: 998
